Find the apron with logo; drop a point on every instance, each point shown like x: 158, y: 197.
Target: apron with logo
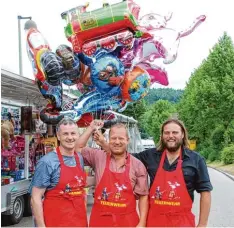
x: 65, y: 205
x: 170, y: 203
x: 114, y: 200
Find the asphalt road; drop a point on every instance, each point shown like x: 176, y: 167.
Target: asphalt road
x: 222, y: 209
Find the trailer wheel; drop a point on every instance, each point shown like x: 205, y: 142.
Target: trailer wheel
x: 18, y: 210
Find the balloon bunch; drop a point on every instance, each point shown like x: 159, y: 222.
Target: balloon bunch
x: 107, y: 62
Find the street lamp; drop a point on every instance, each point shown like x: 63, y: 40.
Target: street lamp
x: 19, y: 37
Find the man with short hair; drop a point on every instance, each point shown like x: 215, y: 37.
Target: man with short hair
x: 120, y: 180
x: 59, y: 179
x: 175, y: 173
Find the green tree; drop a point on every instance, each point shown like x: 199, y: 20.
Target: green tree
x: 207, y: 103
x: 136, y: 109
x: 153, y: 118
x: 169, y: 94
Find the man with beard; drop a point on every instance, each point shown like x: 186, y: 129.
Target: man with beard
x: 175, y: 173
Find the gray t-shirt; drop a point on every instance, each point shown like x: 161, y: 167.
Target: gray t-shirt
x: 48, y: 169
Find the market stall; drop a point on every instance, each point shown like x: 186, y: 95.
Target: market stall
x: 19, y: 151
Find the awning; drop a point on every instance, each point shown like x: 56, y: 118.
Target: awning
x: 19, y: 91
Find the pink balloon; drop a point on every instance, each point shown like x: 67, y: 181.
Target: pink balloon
x: 165, y: 40
x: 193, y: 26
x: 154, y: 21
x: 156, y: 71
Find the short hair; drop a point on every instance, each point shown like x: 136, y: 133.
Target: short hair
x: 65, y: 121
x: 160, y: 146
x: 119, y: 125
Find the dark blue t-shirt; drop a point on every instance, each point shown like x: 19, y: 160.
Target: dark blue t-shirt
x: 47, y: 171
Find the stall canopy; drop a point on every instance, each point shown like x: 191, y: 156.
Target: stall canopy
x: 18, y: 90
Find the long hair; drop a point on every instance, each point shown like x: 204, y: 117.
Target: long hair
x: 185, y: 143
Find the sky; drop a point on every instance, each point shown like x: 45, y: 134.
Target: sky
x: 193, y: 49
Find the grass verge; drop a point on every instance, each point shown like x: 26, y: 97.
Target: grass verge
x: 219, y: 165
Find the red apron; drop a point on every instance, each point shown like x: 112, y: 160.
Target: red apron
x: 170, y: 203
x: 114, y: 200
x: 65, y: 204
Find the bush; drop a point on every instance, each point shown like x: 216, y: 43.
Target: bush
x: 217, y: 137
x: 229, y: 133
x: 205, y: 152
x: 227, y: 155
x: 213, y: 156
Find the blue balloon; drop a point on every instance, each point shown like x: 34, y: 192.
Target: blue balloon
x: 92, y: 102
x: 103, y: 70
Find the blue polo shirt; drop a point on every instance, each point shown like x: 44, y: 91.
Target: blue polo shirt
x: 48, y: 169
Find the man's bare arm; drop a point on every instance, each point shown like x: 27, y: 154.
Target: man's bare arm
x: 143, y: 209
x: 37, y: 206
x: 83, y: 139
x: 205, y: 202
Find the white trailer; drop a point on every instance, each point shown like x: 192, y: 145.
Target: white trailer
x: 17, y: 91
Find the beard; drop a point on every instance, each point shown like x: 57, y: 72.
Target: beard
x: 171, y: 148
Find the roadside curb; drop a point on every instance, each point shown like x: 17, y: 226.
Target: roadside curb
x: 226, y: 174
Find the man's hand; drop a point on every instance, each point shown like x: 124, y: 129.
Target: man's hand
x: 96, y: 124
x: 101, y: 141
x: 99, y: 138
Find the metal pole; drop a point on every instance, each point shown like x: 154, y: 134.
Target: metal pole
x: 20, y: 51
x: 26, y: 156
x: 19, y: 38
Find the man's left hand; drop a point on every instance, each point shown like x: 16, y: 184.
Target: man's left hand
x: 96, y: 124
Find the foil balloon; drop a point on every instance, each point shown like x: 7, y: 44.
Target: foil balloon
x: 106, y: 74
x: 123, y: 39
x: 136, y: 84
x: 71, y: 64
x: 154, y: 21
x: 134, y: 87
x: 52, y: 68
x: 83, y: 26
x: 166, y: 41
x: 36, y: 45
x: 115, y: 57
x: 92, y: 102
x: 47, y: 67
x: 156, y: 70
x: 52, y: 93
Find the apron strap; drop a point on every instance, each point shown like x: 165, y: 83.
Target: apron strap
x: 179, y: 164
x: 127, y: 165
x: 162, y: 160
x: 77, y: 159
x: 108, y: 158
x: 60, y: 155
